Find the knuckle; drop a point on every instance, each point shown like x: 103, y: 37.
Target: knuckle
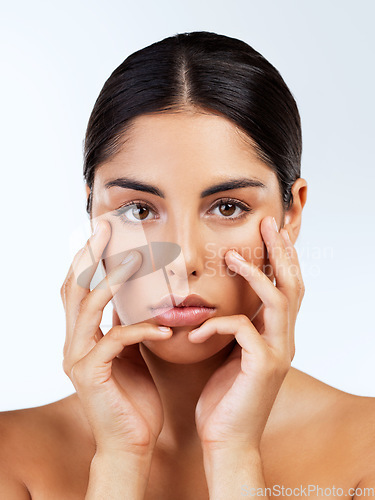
x: 295, y: 285
x: 298, y: 285
x: 116, y: 332
x: 84, y: 304
x: 79, y: 372
x: 64, y: 288
x: 65, y: 367
x: 243, y: 319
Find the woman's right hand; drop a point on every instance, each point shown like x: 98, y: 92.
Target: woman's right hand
x: 112, y: 380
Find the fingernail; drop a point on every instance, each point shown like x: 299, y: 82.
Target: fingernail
x: 129, y: 257
x: 237, y: 255
x: 194, y: 331
x: 275, y: 224
x: 164, y: 328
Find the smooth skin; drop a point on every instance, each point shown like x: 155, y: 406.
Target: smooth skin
x: 229, y: 386
x: 109, y: 374
x: 236, y: 402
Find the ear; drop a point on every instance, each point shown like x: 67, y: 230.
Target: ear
x: 292, y: 219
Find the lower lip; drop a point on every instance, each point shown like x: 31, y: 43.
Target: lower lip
x: 179, y: 316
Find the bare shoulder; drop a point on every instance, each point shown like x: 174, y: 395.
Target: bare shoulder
x: 345, y: 420
x: 12, y: 484
x: 26, y: 431
x: 357, y: 414
x: 345, y: 406
x: 37, y: 439
x: 21, y: 439
x: 20, y: 427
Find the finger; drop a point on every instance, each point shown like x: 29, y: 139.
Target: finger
x: 258, y: 319
x: 67, y: 294
x: 91, y: 307
x: 252, y: 344
x: 84, y: 269
x: 275, y: 314
x: 281, y: 264
x: 91, y: 247
x: 95, y: 366
x: 67, y: 279
x: 296, y: 268
x: 81, y: 273
x: 284, y: 270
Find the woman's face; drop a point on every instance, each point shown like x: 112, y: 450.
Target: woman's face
x: 182, y: 155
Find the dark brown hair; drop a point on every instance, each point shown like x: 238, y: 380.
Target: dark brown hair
x: 203, y: 71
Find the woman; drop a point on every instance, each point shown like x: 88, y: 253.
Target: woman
x: 183, y: 128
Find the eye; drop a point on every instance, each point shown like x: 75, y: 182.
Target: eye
x: 136, y: 212
x: 230, y: 206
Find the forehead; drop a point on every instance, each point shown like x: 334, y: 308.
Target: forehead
x: 182, y: 146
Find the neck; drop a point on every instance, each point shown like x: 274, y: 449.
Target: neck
x: 180, y: 386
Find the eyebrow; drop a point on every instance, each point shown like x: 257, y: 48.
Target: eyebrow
x: 126, y: 183
x: 232, y: 184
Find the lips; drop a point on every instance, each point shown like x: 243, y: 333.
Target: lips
x: 173, y: 311
x: 192, y: 300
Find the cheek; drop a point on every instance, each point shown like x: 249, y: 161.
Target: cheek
x: 122, y: 240
x: 245, y: 239
x: 240, y: 296
x: 254, y: 249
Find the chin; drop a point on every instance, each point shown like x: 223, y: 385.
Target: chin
x: 179, y: 350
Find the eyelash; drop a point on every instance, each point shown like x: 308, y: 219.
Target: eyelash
x: 139, y: 204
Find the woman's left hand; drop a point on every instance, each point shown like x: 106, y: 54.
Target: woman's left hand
x: 235, y: 404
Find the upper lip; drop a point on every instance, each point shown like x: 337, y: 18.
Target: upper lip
x: 190, y: 301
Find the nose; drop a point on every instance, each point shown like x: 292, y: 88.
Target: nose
x: 190, y: 261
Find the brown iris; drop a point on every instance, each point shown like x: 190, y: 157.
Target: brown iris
x: 231, y: 209
x: 141, y: 211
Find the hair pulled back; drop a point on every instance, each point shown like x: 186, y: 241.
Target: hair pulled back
x: 203, y: 71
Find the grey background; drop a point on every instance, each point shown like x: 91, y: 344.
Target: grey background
x: 55, y: 57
